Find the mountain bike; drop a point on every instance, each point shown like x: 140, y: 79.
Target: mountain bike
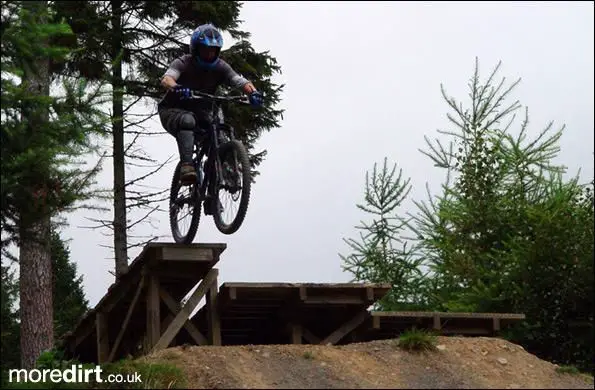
x: 226, y: 166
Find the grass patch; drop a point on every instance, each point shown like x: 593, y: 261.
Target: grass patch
x: 417, y: 340
x: 572, y: 370
x: 152, y: 375
x: 308, y: 355
x: 567, y: 370
x: 589, y: 378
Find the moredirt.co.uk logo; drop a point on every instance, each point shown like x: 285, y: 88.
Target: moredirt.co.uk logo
x: 74, y: 374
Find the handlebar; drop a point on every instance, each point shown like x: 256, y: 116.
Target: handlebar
x: 218, y: 98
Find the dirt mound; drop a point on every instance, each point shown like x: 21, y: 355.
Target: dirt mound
x: 457, y: 363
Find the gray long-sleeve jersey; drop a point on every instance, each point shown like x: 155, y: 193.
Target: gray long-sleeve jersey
x: 188, y: 74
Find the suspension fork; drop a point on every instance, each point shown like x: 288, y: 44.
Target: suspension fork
x: 230, y: 131
x: 213, y: 165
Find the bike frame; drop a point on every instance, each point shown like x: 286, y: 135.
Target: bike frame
x: 210, y: 144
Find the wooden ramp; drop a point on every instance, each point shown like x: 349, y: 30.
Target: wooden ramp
x: 281, y: 313
x: 142, y: 311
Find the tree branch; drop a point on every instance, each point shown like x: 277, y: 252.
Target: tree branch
x: 148, y: 174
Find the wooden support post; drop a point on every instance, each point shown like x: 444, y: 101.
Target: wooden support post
x: 102, y: 337
x: 153, y: 312
x: 126, y: 320
x: 303, y: 293
x: 344, y: 329
x: 213, y: 315
x: 296, y: 333
x: 376, y: 322
x: 370, y: 294
x: 174, y: 308
x: 185, y: 311
x: 437, y: 324
x: 496, y: 324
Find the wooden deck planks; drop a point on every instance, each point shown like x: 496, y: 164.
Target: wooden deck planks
x: 260, y: 312
x: 178, y: 267
x: 246, y: 312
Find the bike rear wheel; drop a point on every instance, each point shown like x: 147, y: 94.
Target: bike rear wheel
x: 177, y: 201
x: 235, y: 167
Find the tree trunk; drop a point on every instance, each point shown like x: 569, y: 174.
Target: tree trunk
x: 36, y: 306
x: 120, y: 223
x: 35, y: 271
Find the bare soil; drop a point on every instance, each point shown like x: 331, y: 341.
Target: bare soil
x: 458, y: 362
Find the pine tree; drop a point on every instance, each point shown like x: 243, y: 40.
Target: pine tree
x: 495, y: 175
x: 40, y: 136
x: 509, y: 233
x: 69, y: 299
x: 381, y: 255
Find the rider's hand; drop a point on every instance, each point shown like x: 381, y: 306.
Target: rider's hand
x: 181, y: 91
x: 256, y: 99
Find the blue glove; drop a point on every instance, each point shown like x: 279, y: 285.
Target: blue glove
x: 183, y: 92
x: 256, y: 99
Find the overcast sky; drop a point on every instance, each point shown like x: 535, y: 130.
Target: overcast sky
x: 363, y: 82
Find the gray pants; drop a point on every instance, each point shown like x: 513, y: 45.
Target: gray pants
x: 184, y: 126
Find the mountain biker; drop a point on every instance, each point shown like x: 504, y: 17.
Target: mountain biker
x: 201, y: 70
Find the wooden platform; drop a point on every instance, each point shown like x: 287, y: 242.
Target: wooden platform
x: 385, y: 325
x: 133, y: 317
x: 144, y: 310
x: 281, y: 313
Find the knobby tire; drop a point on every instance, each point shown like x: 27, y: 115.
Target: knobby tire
x: 242, y: 158
x: 174, y: 188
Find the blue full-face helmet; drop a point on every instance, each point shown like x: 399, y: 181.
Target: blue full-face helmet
x: 205, y: 45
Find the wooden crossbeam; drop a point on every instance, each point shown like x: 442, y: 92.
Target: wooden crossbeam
x: 431, y: 314
x: 310, y: 337
x: 120, y: 291
x: 184, y: 313
x: 186, y: 254
x: 305, y: 298
x: 109, y: 304
x: 126, y: 319
x: 174, y: 308
x: 344, y: 329
x: 334, y: 301
x: 298, y: 331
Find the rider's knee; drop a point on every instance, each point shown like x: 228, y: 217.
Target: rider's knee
x: 187, y: 122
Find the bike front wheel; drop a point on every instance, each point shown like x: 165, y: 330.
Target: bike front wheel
x: 181, y: 196
x: 235, y: 181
